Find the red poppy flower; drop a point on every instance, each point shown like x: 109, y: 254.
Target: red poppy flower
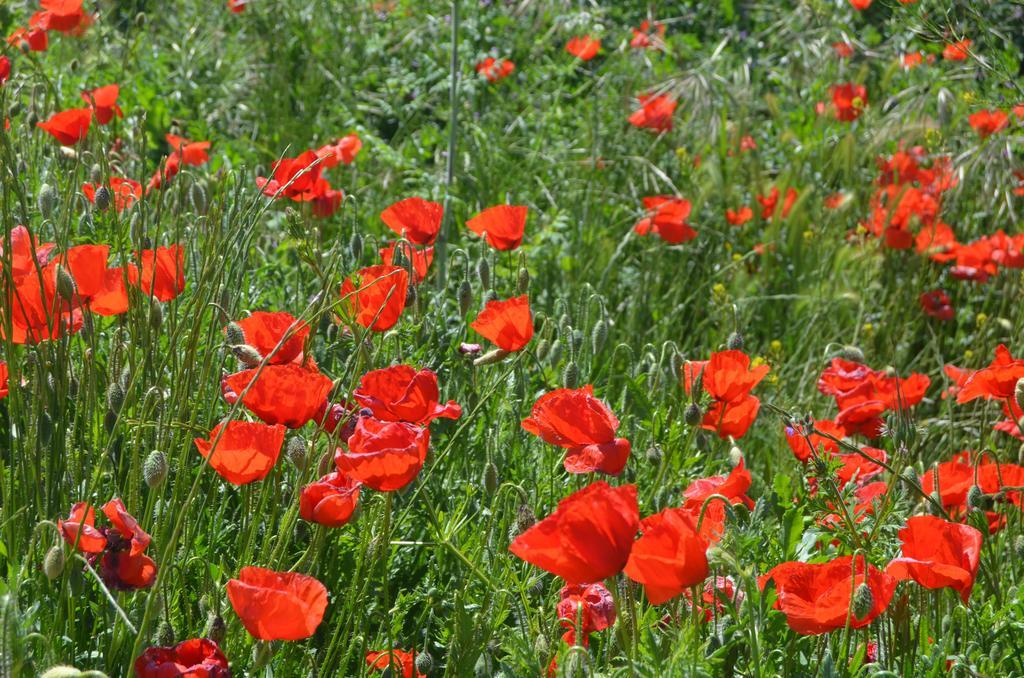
x: 987, y: 123
x: 167, y: 170
x: 4, y: 379
x: 415, y: 219
x: 5, y: 69
x: 343, y: 151
x: 421, y: 257
x: 583, y: 47
x: 938, y: 305
x: 739, y: 216
x: 112, y: 298
x: 195, y: 658
x: 329, y: 501
x: 954, y: 478
x: 297, y: 178
x: 282, y: 394
x: 126, y: 192
x: 84, y: 522
x: 36, y: 311
x: 403, y: 393
x: 503, y: 226
x: 667, y: 218
x: 245, y: 452
x: 577, y: 421
x: 997, y: 381
x: 126, y: 527
x: 733, y: 487
x: 588, y: 537
x: 122, y: 571
x: 645, y: 38
x: 162, y: 272
x: 816, y: 598
x: 26, y: 252
x: 277, y: 605
x: 102, y: 101
x: 938, y: 554
x: 860, y: 5
x: 770, y: 201
x: 374, y: 297
x: 655, y: 112
x: 68, y: 127
x: 715, y: 590
x: 384, y: 455
x: 802, y: 450
x: 33, y: 39
x: 849, y: 101
x: 402, y: 660
x: 65, y: 16
x: 957, y: 51
x: 843, y: 50
x: 237, y: 6
x: 589, y: 606
x: 508, y: 324
x: 495, y: 69
x: 190, y: 152
x: 277, y: 336
x: 669, y: 557
x: 727, y: 376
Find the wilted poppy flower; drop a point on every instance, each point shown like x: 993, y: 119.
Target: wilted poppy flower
x: 938, y: 554
x: 508, y: 324
x: 644, y: 37
x: 849, y: 101
x: 297, y: 178
x: 739, y: 216
x: 245, y: 452
x: 669, y: 557
x: 495, y: 69
x: 190, y: 152
x: 997, y: 381
x: 577, y: 421
x: 384, y: 455
x: 195, y: 658
x: 33, y: 39
x: 798, y: 442
x: 584, y: 47
x: 957, y: 51
x: 103, y: 103
x: 770, y: 201
x: 816, y: 598
x: 125, y: 192
x: 329, y: 501
x: 342, y: 151
x: 403, y: 393
x: 282, y: 394
x: 64, y: 16
x: 655, y: 112
x: 503, y: 225
x: 987, y: 123
x: 68, y: 127
x: 266, y: 331
x: 588, y: 537
x: 667, y: 218
x: 421, y: 257
x: 404, y: 661
x: 277, y: 605
x: 415, y: 219
x: 733, y: 487
x: 587, y: 606
x: 82, y: 521
x: 375, y: 296
x: 938, y: 305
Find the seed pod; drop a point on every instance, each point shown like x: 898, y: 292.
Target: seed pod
x: 47, y: 200
x: 599, y: 336
x: 53, y: 563
x: 296, y: 453
x: 863, y: 601
x: 424, y: 663
x: 734, y: 342
x: 65, y: 284
x: 164, y: 635
x: 102, y: 198
x: 571, y: 375
x: 523, y: 280
x: 96, y: 173
x: 215, y: 629
x: 692, y: 414
x: 155, y: 469
x: 355, y: 247
x: 234, y: 335
x: 115, y: 397
x: 247, y: 355
x: 483, y: 273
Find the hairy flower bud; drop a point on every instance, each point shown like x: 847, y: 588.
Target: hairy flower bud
x: 692, y: 415
x: 490, y: 477
x: 53, y: 563
x: 115, y: 397
x: 571, y: 375
x: 247, y: 355
x: 215, y: 629
x: 523, y: 280
x: 164, y: 635
x: 734, y: 342
x: 102, y: 198
x: 424, y: 663
x: 355, y: 247
x: 863, y: 601
x: 465, y: 297
x: 47, y: 200
x: 155, y: 469
x: 66, y: 287
x: 599, y: 336
x: 234, y: 335
x: 483, y: 273
x: 296, y: 452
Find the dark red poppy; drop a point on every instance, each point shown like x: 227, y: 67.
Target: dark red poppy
x: 277, y: 336
x: 421, y: 258
x: 329, y: 501
x: 33, y: 39
x: 122, y: 571
x: 125, y: 192
x: 282, y: 394
x: 374, y: 297
x: 667, y: 218
x: 798, y: 442
x: 82, y: 521
x: 277, y: 605
x: 957, y: 51
x: 588, y: 537
x: 740, y: 216
x: 386, y: 661
x: 733, y: 487
x: 508, y: 324
x: 415, y: 219
x: 938, y: 554
x: 195, y: 658
x: 403, y: 393
x: 997, y: 381
x: 119, y: 549
x: 590, y: 607
x: 849, y: 101
x: 68, y: 127
x: 938, y: 305
x: 343, y: 151
x: 126, y: 527
x: 583, y: 47
x: 245, y: 452
x: 384, y: 455
x: 495, y: 69
x: 577, y: 421
x: 655, y: 112
x: 103, y: 103
x: 190, y: 152
x: 816, y: 598
x: 162, y: 272
x: 669, y: 557
x: 503, y: 226
x: 298, y: 178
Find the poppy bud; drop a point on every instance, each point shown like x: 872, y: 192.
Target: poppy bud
x: 65, y: 284
x: 47, y: 200
x: 296, y: 453
x: 25, y: 48
x: 735, y: 456
x: 675, y: 364
x: 247, y: 355
x: 1018, y: 546
x: 542, y: 348
x: 234, y: 335
x: 599, y: 336
x: 96, y: 173
x: 197, y: 196
x: 565, y: 324
x: 156, y: 315
x: 541, y: 647
x: 654, y: 454
x: 410, y: 295
x: 45, y: 426
x: 483, y: 272
x: 523, y: 280
x: 734, y: 342
x: 945, y: 100
x: 53, y: 563
x: 495, y: 356
x: 154, y: 469
x: 489, y: 296
x: 465, y: 297
x: 115, y: 397
x: 262, y: 653
x: 215, y: 629
x: 555, y: 353
x: 863, y: 601
x: 524, y: 518
x: 62, y: 671
x: 1018, y: 393
x: 164, y: 635
x: 851, y: 353
x: 102, y: 198
x: 490, y: 477
x: 692, y: 415
x: 424, y: 663
x: 974, y: 497
x: 571, y: 375
x: 355, y: 247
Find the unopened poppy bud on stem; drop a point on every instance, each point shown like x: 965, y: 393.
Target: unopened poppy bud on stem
x: 491, y: 357
x: 234, y: 335
x: 47, y: 200
x: 974, y: 497
x: 247, y: 355
x: 216, y: 629
x: 53, y: 563
x: 296, y: 453
x: 355, y: 247
x: 164, y: 634
x: 465, y: 297
x: 863, y: 601
x: 734, y: 342
x: 523, y: 280
x: 483, y: 272
x: 599, y: 336
x: 115, y: 397
x: 102, y: 198
x: 692, y: 415
x: 424, y: 663
x: 154, y: 469
x: 571, y: 375
x: 65, y: 284
x: 490, y: 477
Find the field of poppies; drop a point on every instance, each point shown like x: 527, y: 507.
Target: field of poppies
x: 511, y: 338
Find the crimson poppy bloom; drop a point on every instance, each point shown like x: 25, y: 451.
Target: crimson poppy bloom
x: 994, y: 382
x: 195, y: 658
x: 770, y: 201
x: 123, y: 565
x: 5, y: 69
x: 298, y: 178
x: 577, y: 421
x: 277, y: 605
x: 849, y: 101
x: 667, y: 218
x: 502, y: 225
x: 403, y: 393
x: 495, y: 69
x: 938, y: 554
x: 404, y: 661
x: 190, y: 152
x: 843, y: 50
x: 374, y: 297
x: 957, y: 51
x: 588, y: 606
x: 384, y: 455
x: 938, y: 305
x: 102, y: 101
x: 64, y: 16
x: 329, y: 501
x: 816, y: 598
x: 645, y: 38
x: 237, y: 6
x: 126, y: 192
x: 245, y: 452
x: 655, y: 112
x: 112, y: 298
x: 126, y: 527
x: 798, y: 442
x: 4, y: 378
x: 669, y: 557
x: 860, y: 5
x: 740, y: 216
x: 987, y: 123
x: 733, y: 487
x: 583, y: 47
x: 728, y: 379
x: 82, y: 521
x: 162, y: 272
x: 282, y: 394
x: 166, y: 170
x: 421, y: 258
x: 33, y: 39
x: 277, y: 336
x: 415, y: 219
x: 588, y: 537
x: 343, y: 151
x: 508, y: 324
x: 68, y: 127
x: 123, y: 571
